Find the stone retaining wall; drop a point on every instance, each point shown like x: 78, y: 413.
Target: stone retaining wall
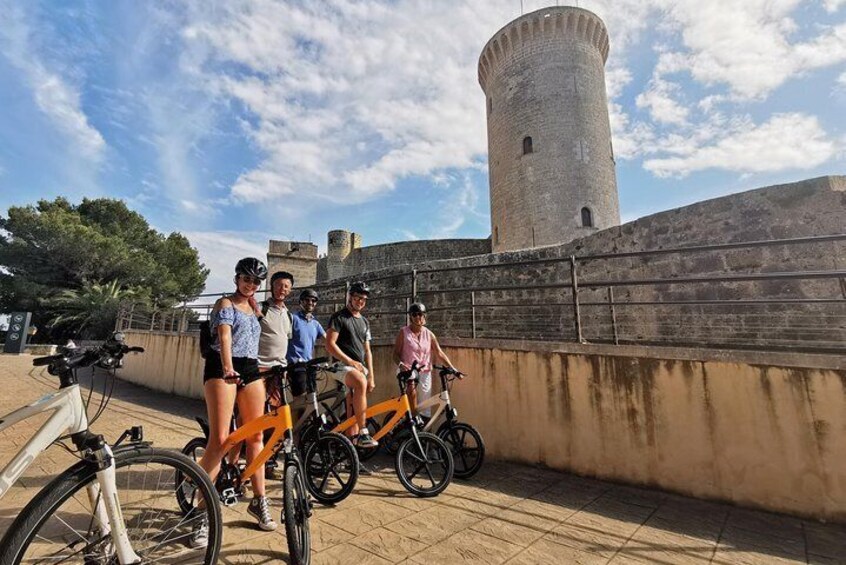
x: 763, y: 430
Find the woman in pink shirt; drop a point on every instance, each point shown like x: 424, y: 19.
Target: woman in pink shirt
x: 415, y: 342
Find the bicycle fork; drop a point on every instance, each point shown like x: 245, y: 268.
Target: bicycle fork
x: 103, y: 496
x: 420, y: 445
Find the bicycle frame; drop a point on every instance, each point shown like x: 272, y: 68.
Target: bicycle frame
x: 400, y: 406
x: 441, y: 401
x: 69, y: 416
x: 279, y: 419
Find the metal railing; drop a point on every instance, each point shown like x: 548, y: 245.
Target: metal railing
x: 616, y: 298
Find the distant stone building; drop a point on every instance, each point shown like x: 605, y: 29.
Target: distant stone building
x: 297, y: 257
x: 346, y: 257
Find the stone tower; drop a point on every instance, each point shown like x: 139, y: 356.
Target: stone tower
x: 550, y: 157
x: 340, y: 245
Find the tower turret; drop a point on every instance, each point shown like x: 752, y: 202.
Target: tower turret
x: 550, y: 158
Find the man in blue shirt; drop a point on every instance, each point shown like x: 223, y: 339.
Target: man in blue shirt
x: 305, y: 329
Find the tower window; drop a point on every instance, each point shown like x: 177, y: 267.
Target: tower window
x: 490, y: 105
x: 496, y: 235
x: 527, y: 145
x: 587, y: 218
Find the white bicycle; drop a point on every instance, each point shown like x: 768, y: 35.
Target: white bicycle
x: 118, y: 503
x: 464, y: 441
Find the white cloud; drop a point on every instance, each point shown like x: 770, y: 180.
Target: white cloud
x: 461, y: 205
x: 220, y: 250
x: 53, y: 95
x: 346, y: 98
x: 784, y: 142
x: 658, y: 98
x: 832, y: 6
x: 747, y: 46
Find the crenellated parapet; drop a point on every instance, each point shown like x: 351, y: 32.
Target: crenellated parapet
x: 545, y: 24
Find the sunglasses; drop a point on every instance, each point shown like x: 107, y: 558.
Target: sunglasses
x: 419, y: 315
x: 251, y: 280
x: 359, y: 297
x: 311, y: 300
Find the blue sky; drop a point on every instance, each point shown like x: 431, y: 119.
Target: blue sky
x: 235, y: 122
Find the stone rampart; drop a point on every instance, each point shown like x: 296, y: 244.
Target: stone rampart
x: 808, y: 208
x: 371, y: 258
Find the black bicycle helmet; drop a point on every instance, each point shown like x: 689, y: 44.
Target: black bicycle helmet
x: 308, y: 293
x: 281, y: 275
x: 251, y: 267
x: 417, y: 308
x: 359, y: 287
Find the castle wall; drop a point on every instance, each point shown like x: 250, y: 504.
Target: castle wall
x: 807, y: 208
x: 543, y: 75
x: 374, y: 257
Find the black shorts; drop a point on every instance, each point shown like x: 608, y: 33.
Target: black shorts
x: 245, y: 366
x: 298, y: 375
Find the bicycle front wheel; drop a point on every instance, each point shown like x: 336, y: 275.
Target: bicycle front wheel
x: 296, y: 510
x: 331, y: 468
x: 59, y: 525
x: 187, y: 495
x: 425, y: 472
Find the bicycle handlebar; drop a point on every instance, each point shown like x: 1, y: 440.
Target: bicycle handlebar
x: 107, y: 355
x: 449, y: 371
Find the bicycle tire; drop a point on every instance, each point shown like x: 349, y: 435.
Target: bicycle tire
x: 295, y: 513
x: 468, y: 459
x: 326, y: 462
x: 72, y: 483
x: 410, y: 462
x: 185, y: 495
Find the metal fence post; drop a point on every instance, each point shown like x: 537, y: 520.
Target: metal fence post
x: 577, y: 316
x: 613, y: 315
x: 131, y: 312
x: 473, y: 311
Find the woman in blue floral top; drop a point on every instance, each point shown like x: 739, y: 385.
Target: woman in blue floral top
x: 233, y: 376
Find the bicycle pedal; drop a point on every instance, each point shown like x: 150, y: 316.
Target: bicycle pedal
x: 229, y: 497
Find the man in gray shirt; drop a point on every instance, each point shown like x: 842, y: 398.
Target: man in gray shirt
x: 276, y: 329
x: 275, y: 322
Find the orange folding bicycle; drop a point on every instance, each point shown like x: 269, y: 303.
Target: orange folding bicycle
x: 423, y: 462
x: 233, y: 476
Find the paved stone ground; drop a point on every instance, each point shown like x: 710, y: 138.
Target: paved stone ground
x: 508, y: 513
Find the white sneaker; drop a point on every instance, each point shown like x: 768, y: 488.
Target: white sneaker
x: 364, y: 440
x: 260, y: 509
x: 200, y: 536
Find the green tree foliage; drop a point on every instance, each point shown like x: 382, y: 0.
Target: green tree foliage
x: 56, y: 246
x: 88, y: 312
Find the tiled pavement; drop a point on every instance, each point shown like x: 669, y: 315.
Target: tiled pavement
x: 507, y: 514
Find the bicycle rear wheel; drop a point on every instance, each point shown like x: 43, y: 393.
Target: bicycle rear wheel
x: 467, y: 447
x: 59, y: 525
x: 295, y: 512
x: 331, y: 468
